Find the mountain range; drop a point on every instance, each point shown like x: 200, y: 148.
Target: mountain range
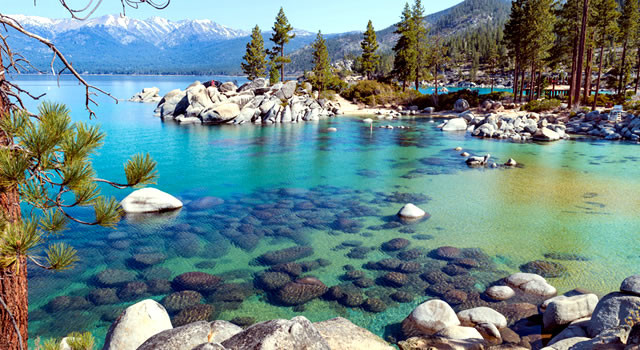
x: 115, y: 44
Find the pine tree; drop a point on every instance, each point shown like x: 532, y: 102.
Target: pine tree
x: 45, y: 162
x: 605, y: 17
x: 421, y: 65
x: 321, y: 63
x: 280, y: 37
x: 404, y: 65
x: 539, y: 21
x: 628, y: 27
x: 255, y: 57
x: 515, y: 33
x: 274, y: 73
x: 369, y: 59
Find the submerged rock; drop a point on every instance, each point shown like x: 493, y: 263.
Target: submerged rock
x: 149, y: 200
x: 285, y: 255
x: 301, y: 291
x: 197, y: 281
x: 179, y: 300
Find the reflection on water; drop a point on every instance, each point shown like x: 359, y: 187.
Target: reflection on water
x: 251, y: 190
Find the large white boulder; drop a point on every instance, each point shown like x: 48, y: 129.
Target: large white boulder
x: 478, y: 315
x: 341, y: 334
x: 137, y: 324
x: 429, y: 318
x: 564, y: 310
x: 532, y: 284
x: 411, y: 212
x: 456, y: 124
x: 149, y: 200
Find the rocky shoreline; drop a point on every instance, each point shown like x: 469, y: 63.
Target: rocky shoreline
x: 523, y: 312
x: 255, y: 102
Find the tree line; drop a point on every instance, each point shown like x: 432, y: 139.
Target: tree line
x: 570, y: 40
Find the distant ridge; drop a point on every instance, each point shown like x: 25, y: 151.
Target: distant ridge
x: 123, y: 45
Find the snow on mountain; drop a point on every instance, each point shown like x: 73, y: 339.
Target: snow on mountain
x: 158, y: 31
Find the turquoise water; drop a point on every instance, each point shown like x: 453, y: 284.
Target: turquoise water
x: 297, y: 185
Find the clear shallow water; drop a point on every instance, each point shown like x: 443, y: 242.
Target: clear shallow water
x: 577, y: 197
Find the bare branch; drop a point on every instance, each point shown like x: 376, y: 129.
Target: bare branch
x: 10, y: 22
x: 13, y: 320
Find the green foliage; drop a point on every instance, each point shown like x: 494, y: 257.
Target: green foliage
x: 541, y: 105
x: 255, y: 57
x: 274, y: 73
x: 369, y: 60
x: 497, y: 96
x: 603, y: 100
x: 327, y: 95
x: 421, y: 43
x: 374, y: 93
x: 321, y: 73
x: 404, y: 65
x: 446, y: 101
x: 280, y: 37
x: 81, y: 341
x: 48, y: 160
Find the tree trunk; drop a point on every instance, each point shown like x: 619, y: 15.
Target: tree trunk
x: 622, y: 83
x: 515, y: 79
x: 436, y: 79
x: 635, y: 90
x: 572, y: 79
x: 282, y: 64
x: 595, y: 98
x: 583, y: 41
x: 14, y: 303
x: 531, y: 81
x: 522, y: 75
x: 587, y: 74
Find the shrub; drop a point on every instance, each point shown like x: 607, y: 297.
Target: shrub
x: 446, y: 101
x: 327, y: 95
x: 603, y: 100
x: 541, y: 105
x: 497, y: 96
x: 373, y: 93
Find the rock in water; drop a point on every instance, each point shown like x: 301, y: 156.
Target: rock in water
x: 298, y: 333
x: 147, y: 95
x: 411, y: 212
x: 149, y: 200
x: 136, y: 324
x: 457, y: 124
x: 285, y: 255
x: 532, y: 284
x: 181, y: 338
x: 546, y: 134
x: 611, y: 312
x: 429, y: 318
x: 198, y: 281
x: 564, y: 310
x: 511, y: 162
x: 341, y: 334
x: 500, y: 292
x: 301, y: 291
x: 478, y: 315
x: 631, y: 285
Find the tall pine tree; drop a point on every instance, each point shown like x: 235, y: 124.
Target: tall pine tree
x: 421, y: 64
x: 369, y: 60
x: 321, y: 63
x: 628, y: 28
x: 404, y: 65
x: 280, y: 37
x: 255, y: 57
x: 605, y: 16
x: 514, y: 34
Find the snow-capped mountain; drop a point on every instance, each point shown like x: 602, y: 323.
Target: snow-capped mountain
x: 158, y: 31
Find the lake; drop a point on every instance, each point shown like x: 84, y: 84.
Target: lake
x: 335, y: 196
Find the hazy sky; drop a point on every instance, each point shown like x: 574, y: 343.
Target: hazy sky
x: 330, y: 16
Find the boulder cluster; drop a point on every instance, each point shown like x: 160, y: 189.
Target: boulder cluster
x: 146, y: 326
x: 597, y: 124
x: 147, y: 95
x: 253, y: 102
x: 515, y: 128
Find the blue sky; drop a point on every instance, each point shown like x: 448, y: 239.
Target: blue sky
x: 330, y: 16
